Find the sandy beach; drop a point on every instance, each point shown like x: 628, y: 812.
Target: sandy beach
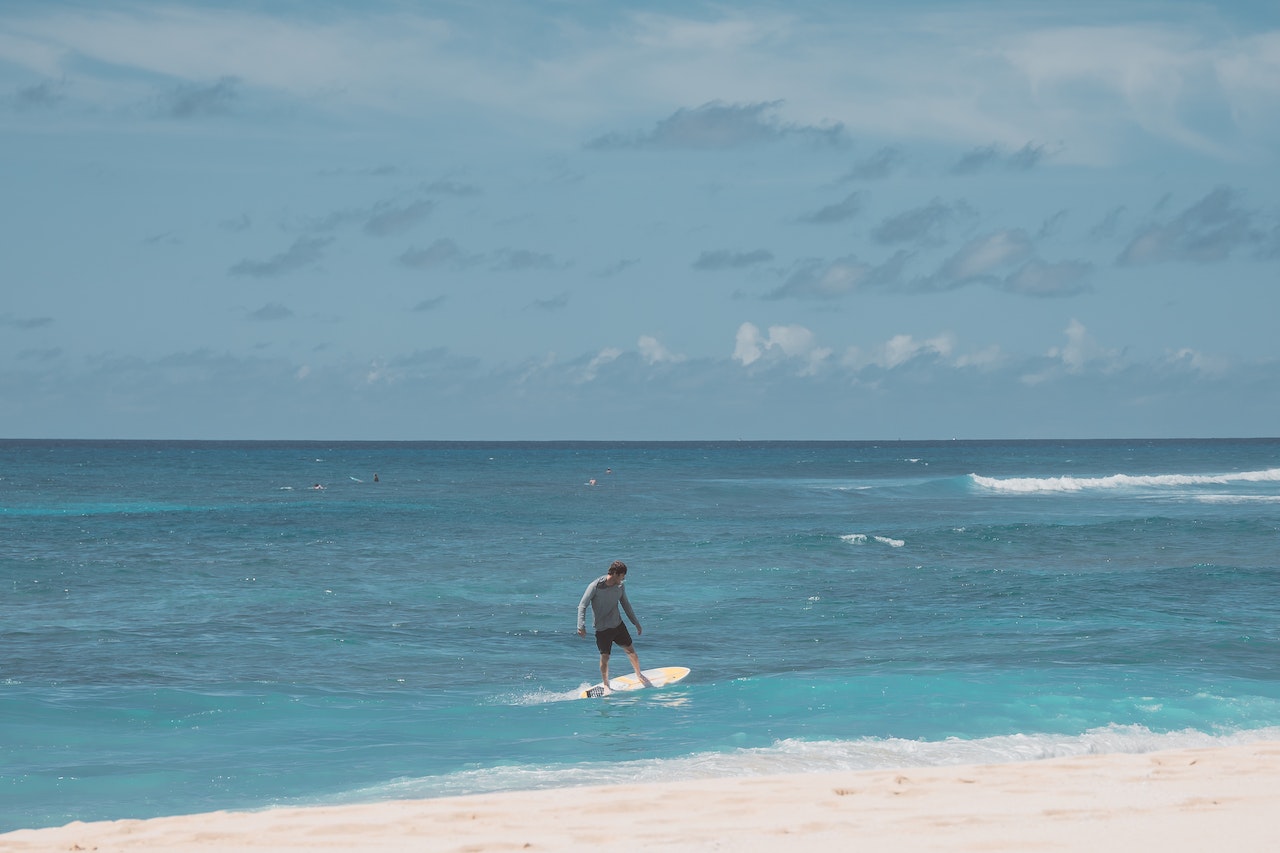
x: 1185, y: 800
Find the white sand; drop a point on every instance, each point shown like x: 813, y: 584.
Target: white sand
x: 1187, y: 800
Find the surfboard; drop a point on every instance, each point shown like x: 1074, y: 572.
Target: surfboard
x: 660, y: 677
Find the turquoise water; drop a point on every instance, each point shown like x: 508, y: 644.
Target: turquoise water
x: 193, y: 626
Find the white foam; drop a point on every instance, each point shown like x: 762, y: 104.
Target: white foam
x: 1238, y: 499
x: 798, y: 756
x: 1122, y: 481
x: 541, y: 697
x: 862, y: 539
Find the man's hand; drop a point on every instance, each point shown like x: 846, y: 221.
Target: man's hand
x: 639, y: 631
x: 582, y: 632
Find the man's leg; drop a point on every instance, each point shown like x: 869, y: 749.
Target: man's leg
x: 604, y: 671
x: 635, y: 662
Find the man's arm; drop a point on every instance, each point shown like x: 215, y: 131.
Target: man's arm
x: 582, y: 607
x: 631, y: 614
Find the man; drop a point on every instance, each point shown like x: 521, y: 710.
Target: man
x: 604, y: 594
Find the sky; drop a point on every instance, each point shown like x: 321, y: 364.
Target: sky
x: 597, y: 220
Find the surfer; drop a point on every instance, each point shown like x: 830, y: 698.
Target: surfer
x: 604, y: 594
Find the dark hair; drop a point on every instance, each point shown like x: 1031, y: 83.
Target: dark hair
x: 618, y: 568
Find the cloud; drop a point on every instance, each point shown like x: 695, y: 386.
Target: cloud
x: 816, y: 279
x: 716, y: 125
x: 986, y: 358
x: 1081, y: 351
x: 430, y: 304
x: 1006, y: 259
x: 1109, y: 227
x: 304, y: 252
x: 980, y: 159
x: 1198, y: 362
x: 25, y: 323
x: 334, y: 221
x: 653, y: 352
x: 786, y: 342
x: 976, y: 160
x: 1027, y: 157
x: 983, y: 256
x: 1052, y: 225
x: 387, y: 220
x: 618, y: 267
x: 839, y: 212
x: 899, y: 350
x: 554, y: 303
x: 605, y: 356
x: 878, y: 166
x: 194, y: 101
x: 271, y: 311
x: 44, y: 95
x: 723, y: 259
x: 441, y: 252
x: 821, y: 279
x: 444, y: 252
x: 1208, y: 231
x: 1038, y: 278
x: 922, y: 226
x: 516, y: 260
x: 453, y: 188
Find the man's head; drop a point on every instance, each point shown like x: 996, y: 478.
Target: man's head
x: 618, y: 569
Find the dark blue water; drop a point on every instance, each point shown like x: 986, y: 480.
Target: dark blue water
x: 195, y: 626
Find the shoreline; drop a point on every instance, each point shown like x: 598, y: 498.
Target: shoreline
x: 1175, y: 800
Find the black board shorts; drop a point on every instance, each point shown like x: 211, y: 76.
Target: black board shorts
x: 606, y: 638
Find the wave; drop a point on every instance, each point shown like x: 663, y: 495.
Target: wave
x: 1122, y: 481
x: 862, y: 538
x: 798, y: 756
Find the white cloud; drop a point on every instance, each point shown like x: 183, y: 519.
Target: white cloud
x: 985, y: 358
x: 816, y: 279
x: 1205, y: 365
x: 748, y: 346
x: 1159, y: 77
x: 983, y: 256
x: 790, y: 342
x: 605, y: 356
x: 350, y: 57
x: 1038, y: 278
x: 1081, y: 349
x: 653, y: 352
x: 958, y: 76
x: 898, y: 350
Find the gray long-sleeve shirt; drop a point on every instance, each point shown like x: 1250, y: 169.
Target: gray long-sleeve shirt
x: 604, y: 601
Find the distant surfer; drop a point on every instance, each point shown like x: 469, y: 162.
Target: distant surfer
x: 604, y: 594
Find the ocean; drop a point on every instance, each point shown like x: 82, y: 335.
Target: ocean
x: 194, y: 626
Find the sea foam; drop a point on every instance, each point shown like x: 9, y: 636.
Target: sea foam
x: 800, y: 756
x: 1122, y: 481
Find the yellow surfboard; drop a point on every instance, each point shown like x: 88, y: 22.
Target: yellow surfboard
x: 660, y: 677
